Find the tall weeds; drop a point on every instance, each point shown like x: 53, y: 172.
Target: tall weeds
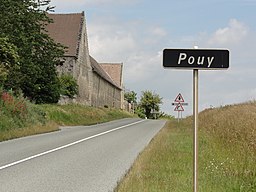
x: 16, y: 114
x: 228, y: 147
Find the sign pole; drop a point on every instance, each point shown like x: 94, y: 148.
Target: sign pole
x: 195, y: 113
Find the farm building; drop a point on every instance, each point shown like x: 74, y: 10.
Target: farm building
x: 99, y: 84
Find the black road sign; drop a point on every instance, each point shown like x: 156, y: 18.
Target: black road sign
x: 185, y: 104
x: 196, y: 58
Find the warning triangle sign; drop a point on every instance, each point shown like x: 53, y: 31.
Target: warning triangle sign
x: 179, y: 99
x: 179, y: 107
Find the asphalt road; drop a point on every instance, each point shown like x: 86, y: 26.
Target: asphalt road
x: 74, y: 159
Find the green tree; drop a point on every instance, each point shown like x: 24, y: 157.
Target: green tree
x: 69, y: 86
x: 150, y: 102
x: 24, y: 25
x: 130, y: 97
x: 8, y: 59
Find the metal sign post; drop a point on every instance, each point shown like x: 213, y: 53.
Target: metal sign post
x: 195, y: 113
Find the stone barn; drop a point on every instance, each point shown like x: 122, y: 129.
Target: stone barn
x: 99, y: 85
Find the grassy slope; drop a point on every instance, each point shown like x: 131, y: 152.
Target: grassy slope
x: 47, y: 118
x: 81, y: 115
x: 227, y: 154
x: 228, y: 142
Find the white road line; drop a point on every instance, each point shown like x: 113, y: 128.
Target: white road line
x: 68, y: 145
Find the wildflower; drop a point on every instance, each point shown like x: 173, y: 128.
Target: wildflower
x: 7, y: 98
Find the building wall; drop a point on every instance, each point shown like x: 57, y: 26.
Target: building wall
x: 67, y: 66
x: 83, y: 71
x: 104, y: 93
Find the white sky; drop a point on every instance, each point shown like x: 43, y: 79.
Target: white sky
x: 135, y: 32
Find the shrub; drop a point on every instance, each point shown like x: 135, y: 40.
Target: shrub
x: 68, y: 85
x: 140, y: 112
x: 12, y: 105
x: 17, y: 112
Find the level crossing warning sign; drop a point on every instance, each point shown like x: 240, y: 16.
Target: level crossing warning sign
x: 179, y: 102
x: 179, y: 107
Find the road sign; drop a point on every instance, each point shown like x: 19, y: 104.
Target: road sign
x: 196, y: 58
x: 179, y: 99
x: 184, y: 104
x: 179, y: 107
x: 179, y: 103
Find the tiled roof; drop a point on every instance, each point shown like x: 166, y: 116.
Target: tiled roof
x: 101, y: 72
x: 114, y: 70
x: 66, y: 29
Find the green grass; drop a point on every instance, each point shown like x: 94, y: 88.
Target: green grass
x: 228, y: 148
x: 81, y: 115
x: 226, y: 168
x: 227, y: 154
x: 165, y: 165
x: 19, y: 117
x: 28, y: 130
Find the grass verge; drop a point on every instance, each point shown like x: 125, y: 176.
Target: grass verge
x: 36, y: 119
x: 29, y: 130
x: 227, y: 154
x: 165, y: 165
x: 81, y: 115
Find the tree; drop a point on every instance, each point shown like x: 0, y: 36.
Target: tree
x: 130, y: 97
x: 8, y: 59
x: 24, y: 25
x: 150, y: 102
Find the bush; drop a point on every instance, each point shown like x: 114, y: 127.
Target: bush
x: 140, y: 112
x: 68, y: 85
x: 12, y: 105
x: 17, y: 112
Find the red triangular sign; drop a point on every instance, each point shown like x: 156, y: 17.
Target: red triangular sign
x: 179, y: 107
x: 179, y: 99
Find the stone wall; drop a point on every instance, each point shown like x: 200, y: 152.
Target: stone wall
x: 104, y: 93
x: 67, y: 66
x: 83, y: 71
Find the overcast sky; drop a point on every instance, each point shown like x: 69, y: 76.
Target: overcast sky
x: 135, y: 32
